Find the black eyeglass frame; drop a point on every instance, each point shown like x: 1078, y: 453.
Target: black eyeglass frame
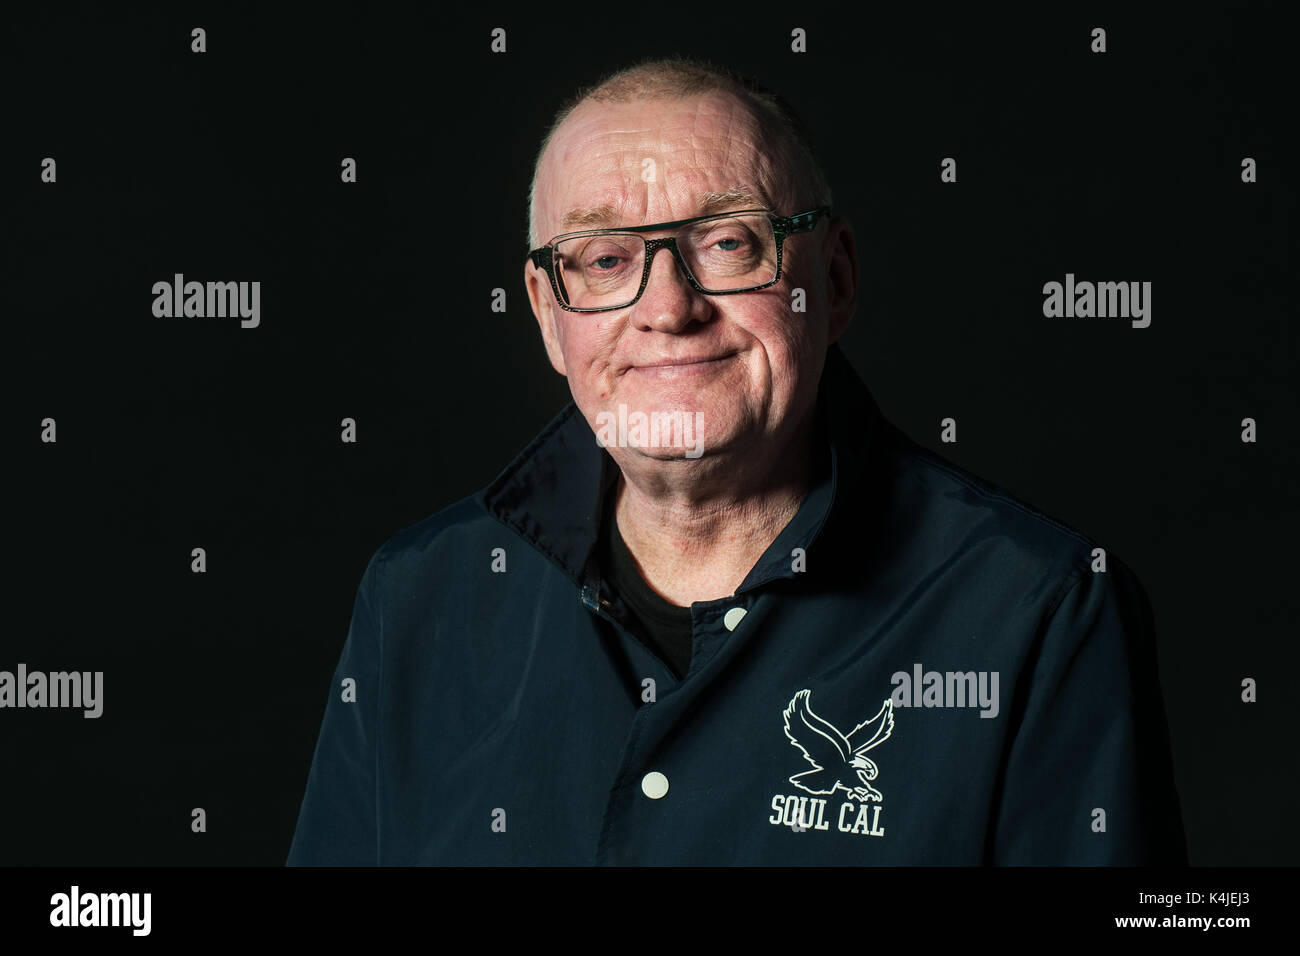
x: 782, y: 227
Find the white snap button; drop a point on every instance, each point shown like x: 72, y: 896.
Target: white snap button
x: 654, y: 785
x: 733, y: 617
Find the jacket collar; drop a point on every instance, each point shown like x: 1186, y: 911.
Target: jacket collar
x: 554, y: 491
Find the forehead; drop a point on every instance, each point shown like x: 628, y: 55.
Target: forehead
x: 613, y: 164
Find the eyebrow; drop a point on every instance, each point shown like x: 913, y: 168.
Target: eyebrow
x: 605, y: 215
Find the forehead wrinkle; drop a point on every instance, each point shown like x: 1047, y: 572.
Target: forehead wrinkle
x: 592, y: 150
x: 732, y: 196
x: 588, y: 141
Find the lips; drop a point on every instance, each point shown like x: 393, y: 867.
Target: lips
x: 685, y: 360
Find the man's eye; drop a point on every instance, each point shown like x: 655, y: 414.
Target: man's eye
x: 730, y: 244
x: 605, y: 262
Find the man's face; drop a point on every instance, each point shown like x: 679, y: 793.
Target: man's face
x: 746, y: 363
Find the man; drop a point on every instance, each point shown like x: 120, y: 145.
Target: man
x: 720, y: 611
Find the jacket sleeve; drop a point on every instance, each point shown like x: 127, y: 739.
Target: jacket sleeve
x: 337, y: 823
x: 1092, y: 739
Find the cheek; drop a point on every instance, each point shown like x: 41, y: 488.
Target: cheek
x: 605, y: 334
x: 804, y: 333
x: 789, y: 341
x: 790, y: 347
x: 801, y: 276
x: 587, y: 342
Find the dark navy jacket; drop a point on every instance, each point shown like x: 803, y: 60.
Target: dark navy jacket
x: 832, y: 713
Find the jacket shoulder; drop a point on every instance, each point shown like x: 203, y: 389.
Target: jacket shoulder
x: 453, y: 526
x: 950, y: 503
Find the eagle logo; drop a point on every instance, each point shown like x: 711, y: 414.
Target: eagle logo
x: 836, y: 757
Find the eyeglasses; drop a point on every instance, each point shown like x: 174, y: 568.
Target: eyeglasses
x: 602, y: 269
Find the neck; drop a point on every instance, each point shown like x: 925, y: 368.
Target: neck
x: 696, y: 532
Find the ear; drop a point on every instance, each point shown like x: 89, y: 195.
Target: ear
x: 839, y: 252
x: 542, y: 299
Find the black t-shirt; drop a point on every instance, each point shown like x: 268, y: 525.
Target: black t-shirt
x: 659, y: 624
x: 662, y: 626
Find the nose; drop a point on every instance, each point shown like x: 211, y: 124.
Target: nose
x: 668, y: 304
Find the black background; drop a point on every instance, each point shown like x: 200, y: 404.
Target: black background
x: 181, y: 433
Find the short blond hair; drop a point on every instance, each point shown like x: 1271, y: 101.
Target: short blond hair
x: 680, y: 77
